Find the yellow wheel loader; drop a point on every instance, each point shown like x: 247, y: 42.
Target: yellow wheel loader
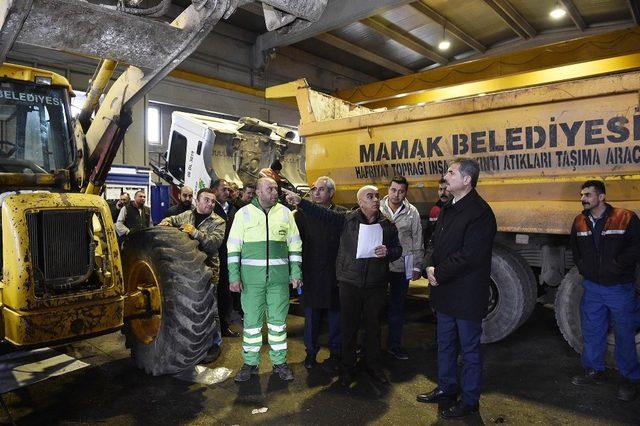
x: 64, y: 275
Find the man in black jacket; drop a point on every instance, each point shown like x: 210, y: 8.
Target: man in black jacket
x: 605, y: 241
x: 459, y: 280
x: 134, y: 215
x: 362, y: 281
x: 226, y: 210
x: 186, y: 200
x: 320, y: 243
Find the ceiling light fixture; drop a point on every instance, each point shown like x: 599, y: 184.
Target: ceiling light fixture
x: 557, y: 12
x: 444, y: 44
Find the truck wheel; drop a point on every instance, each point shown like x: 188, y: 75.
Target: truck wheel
x: 177, y: 332
x: 567, y: 309
x: 512, y: 294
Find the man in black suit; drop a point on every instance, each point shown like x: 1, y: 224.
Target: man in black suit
x: 459, y: 280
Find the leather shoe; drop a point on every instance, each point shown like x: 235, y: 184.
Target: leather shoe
x: 461, y: 409
x: 378, y: 375
x: 589, y: 377
x: 626, y: 391
x: 310, y: 361
x: 436, y: 396
x: 227, y: 332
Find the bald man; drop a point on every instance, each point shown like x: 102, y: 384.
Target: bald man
x: 362, y: 282
x: 264, y: 256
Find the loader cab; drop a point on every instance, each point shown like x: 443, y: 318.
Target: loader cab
x: 35, y: 124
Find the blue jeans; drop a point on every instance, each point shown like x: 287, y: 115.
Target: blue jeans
x: 599, y: 304
x: 398, y: 286
x: 456, y: 333
x: 312, y: 323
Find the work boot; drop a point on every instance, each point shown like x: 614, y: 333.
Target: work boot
x: 626, y: 391
x: 246, y: 372
x: 398, y: 353
x: 212, y: 354
x: 461, y: 409
x: 283, y: 371
x: 332, y: 364
x: 310, y: 361
x: 588, y: 377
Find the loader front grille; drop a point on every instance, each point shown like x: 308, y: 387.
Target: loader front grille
x: 62, y: 248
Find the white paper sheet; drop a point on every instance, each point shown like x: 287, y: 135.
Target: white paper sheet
x: 369, y: 237
x: 408, y: 266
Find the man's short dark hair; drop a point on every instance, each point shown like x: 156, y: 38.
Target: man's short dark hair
x: 216, y: 183
x: 468, y: 167
x: 249, y: 185
x: 207, y: 190
x: 598, y: 185
x: 401, y: 180
x: 139, y: 191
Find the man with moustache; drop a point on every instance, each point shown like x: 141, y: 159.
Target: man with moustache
x: 605, y: 241
x: 265, y: 255
x: 207, y: 228
x: 134, y: 215
x: 362, y: 282
x: 459, y: 278
x: 434, y: 212
x: 320, y: 242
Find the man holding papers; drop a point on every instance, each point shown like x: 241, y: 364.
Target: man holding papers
x: 362, y: 266
x: 407, y: 219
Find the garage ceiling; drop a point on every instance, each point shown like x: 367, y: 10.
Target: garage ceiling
x: 389, y: 38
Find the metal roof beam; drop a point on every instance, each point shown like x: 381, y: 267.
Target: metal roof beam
x: 635, y: 10
x: 422, y: 7
x: 576, y: 17
x: 512, y: 18
x: 363, y: 53
x: 405, y: 38
x: 337, y: 14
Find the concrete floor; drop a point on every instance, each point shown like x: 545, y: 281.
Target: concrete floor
x: 527, y: 381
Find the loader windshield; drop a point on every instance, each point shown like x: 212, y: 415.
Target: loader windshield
x: 35, y: 136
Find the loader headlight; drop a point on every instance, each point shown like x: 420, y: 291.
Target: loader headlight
x: 43, y: 80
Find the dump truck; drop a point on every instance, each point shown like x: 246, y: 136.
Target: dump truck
x: 535, y: 147
x: 64, y: 276
x: 204, y: 148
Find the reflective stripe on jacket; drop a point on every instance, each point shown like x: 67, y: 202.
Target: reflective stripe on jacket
x: 264, y: 247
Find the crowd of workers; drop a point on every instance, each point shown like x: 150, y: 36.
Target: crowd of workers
x: 261, y: 244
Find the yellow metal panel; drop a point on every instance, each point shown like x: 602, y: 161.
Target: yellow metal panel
x: 29, y: 318
x: 19, y: 72
x: 516, y: 81
x: 616, y: 43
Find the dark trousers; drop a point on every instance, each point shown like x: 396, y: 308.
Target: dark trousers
x: 454, y: 335
x: 361, y: 304
x: 599, y: 304
x: 398, y: 286
x: 312, y: 323
x: 225, y: 302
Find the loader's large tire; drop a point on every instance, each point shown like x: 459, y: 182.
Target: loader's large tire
x: 181, y: 334
x: 513, y: 294
x: 567, y: 309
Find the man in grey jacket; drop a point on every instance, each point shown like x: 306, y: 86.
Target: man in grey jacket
x: 407, y: 219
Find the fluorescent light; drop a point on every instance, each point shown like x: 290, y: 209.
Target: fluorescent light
x: 444, y: 45
x: 558, y: 13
